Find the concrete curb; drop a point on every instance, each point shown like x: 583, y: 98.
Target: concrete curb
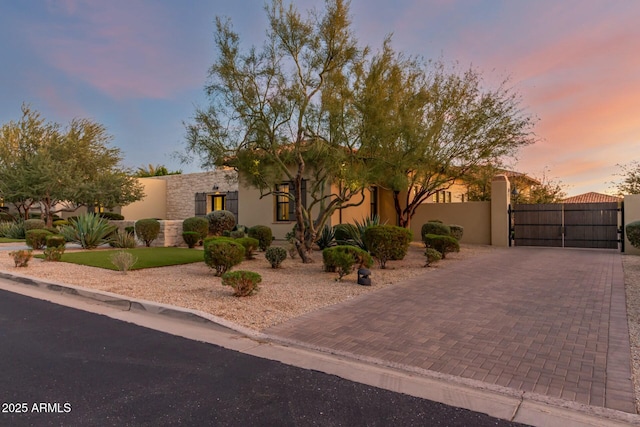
x: 501, y: 402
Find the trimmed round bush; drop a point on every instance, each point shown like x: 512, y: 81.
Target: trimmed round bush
x: 237, y: 234
x: 60, y: 223
x: 433, y: 227
x: 250, y: 244
x: 244, y: 283
x: 34, y: 224
x: 220, y: 221
x: 343, y: 232
x: 633, y: 233
x: 456, y: 231
x: 263, y: 234
x: 443, y: 244
x: 147, y: 230
x: 198, y: 225
x: 432, y: 256
x: 387, y: 242
x: 275, y: 255
x: 222, y: 254
x: 36, y: 238
x: 191, y: 238
x: 113, y: 216
x: 55, y: 241
x: 343, y: 258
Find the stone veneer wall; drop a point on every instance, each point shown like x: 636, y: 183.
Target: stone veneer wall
x: 170, y: 232
x: 182, y: 189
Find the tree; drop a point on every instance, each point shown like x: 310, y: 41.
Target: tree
x: 547, y: 191
x: 630, y: 179
x: 427, y: 127
x: 157, y: 170
x: 285, y: 113
x: 61, y: 169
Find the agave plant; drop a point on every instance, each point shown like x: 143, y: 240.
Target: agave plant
x: 13, y: 230
x: 326, y: 238
x: 356, y: 233
x: 88, y: 230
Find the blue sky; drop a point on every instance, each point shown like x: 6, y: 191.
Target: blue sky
x: 139, y: 67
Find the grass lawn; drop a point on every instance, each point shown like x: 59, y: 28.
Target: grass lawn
x: 147, y: 257
x: 8, y: 240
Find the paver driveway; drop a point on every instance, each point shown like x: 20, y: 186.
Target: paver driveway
x: 543, y: 320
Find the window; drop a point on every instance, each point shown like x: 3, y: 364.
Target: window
x: 374, y: 201
x: 442, y: 196
x: 217, y: 202
x: 282, y: 202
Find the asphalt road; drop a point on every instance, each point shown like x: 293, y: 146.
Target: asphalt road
x: 62, y: 366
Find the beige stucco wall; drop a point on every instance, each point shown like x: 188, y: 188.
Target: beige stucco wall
x: 354, y: 213
x: 475, y: 217
x: 154, y: 203
x: 631, y: 214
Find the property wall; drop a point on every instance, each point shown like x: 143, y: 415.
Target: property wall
x: 475, y: 217
x: 631, y: 214
x: 154, y: 203
x: 170, y: 232
x: 181, y: 190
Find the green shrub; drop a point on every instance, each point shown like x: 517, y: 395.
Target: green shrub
x: 433, y: 227
x: 250, y: 244
x: 222, y: 254
x: 633, y: 233
x: 443, y: 244
x: 21, y: 257
x: 123, y: 239
x: 36, y: 238
x: 237, y: 234
x: 130, y: 229
x: 432, y: 256
x: 456, y: 231
x: 387, y: 242
x: 6, y: 217
x: 5, y: 227
x: 263, y: 234
x: 60, y: 223
x: 327, y: 237
x: 343, y: 258
x: 15, y: 230
x: 88, y: 230
x: 147, y: 230
x: 244, y: 283
x: 198, y: 225
x: 191, y: 238
x: 111, y: 216
x: 55, y: 241
x: 342, y: 232
x: 34, y: 224
x: 220, y: 221
x: 54, y: 253
x: 275, y: 255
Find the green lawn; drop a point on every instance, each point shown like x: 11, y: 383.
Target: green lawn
x: 147, y: 257
x: 8, y: 240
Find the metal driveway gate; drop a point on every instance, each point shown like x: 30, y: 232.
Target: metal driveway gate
x: 574, y: 225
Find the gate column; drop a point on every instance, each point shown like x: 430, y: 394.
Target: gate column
x: 631, y: 214
x: 500, y: 198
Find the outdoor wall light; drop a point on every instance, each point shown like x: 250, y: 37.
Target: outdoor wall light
x: 363, y: 277
x: 215, y: 187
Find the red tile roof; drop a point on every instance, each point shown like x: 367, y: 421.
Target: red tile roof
x: 592, y: 197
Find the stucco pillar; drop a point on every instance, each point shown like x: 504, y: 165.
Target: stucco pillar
x: 631, y: 214
x: 500, y: 196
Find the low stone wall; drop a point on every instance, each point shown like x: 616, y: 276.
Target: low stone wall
x: 170, y: 232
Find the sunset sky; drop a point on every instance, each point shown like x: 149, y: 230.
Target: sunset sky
x: 139, y: 68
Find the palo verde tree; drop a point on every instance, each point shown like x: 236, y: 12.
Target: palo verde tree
x: 61, y: 169
x: 285, y: 112
x: 427, y: 126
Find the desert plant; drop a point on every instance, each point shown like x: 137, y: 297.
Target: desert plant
x: 250, y: 244
x: 5, y: 227
x: 633, y: 233
x: 263, y: 234
x: 244, y: 283
x: 342, y: 232
x: 113, y: 216
x: 355, y: 233
x: 21, y: 257
x: 54, y: 253
x: 123, y: 239
x: 456, y: 231
x: 34, y: 224
x: 130, y: 229
x: 15, y: 230
x: 198, y: 225
x: 59, y: 223
x: 123, y: 261
x: 275, y: 255
x: 36, y: 238
x: 6, y: 217
x: 191, y: 238
x: 387, y: 242
x: 327, y: 237
x: 147, y: 230
x: 55, y: 241
x: 237, y: 234
x: 222, y: 254
x: 443, y: 244
x: 343, y: 258
x: 434, y: 227
x: 432, y: 256
x: 88, y: 230
x: 220, y: 221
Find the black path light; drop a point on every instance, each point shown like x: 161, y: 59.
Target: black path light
x: 363, y: 276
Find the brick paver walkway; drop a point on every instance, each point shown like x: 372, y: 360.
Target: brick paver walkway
x: 544, y: 320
